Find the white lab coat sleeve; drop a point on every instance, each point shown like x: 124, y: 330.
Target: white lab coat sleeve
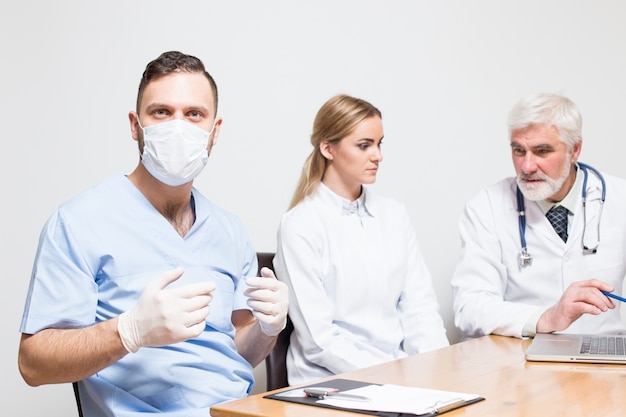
x: 419, y: 310
x: 480, y: 278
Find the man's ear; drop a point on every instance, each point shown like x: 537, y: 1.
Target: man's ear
x: 576, y: 151
x: 326, y: 149
x: 216, y: 130
x: 133, y: 118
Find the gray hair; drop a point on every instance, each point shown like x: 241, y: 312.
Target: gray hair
x: 546, y: 109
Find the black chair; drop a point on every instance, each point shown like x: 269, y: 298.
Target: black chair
x: 265, y: 259
x: 276, y: 361
x: 77, y: 396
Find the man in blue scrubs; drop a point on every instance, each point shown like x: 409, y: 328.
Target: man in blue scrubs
x: 142, y: 289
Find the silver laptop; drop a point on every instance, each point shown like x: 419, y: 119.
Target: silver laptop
x: 577, y: 348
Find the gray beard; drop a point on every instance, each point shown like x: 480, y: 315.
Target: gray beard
x: 546, y: 188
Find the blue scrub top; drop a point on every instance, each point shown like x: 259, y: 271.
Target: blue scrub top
x: 98, y: 252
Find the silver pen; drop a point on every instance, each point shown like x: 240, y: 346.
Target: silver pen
x: 323, y: 392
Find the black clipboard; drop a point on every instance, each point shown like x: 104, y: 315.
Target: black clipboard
x: 348, y: 384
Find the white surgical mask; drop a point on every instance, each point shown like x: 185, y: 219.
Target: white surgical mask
x: 174, y: 152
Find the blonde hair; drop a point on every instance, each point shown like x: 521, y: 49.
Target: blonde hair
x: 336, y: 119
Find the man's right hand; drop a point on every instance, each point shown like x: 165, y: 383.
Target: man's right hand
x: 584, y: 297
x: 165, y: 316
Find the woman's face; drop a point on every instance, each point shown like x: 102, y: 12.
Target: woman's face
x: 354, y: 160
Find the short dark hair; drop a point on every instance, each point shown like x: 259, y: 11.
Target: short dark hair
x: 169, y: 62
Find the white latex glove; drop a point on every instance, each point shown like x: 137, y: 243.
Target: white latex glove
x: 269, y: 301
x: 165, y: 316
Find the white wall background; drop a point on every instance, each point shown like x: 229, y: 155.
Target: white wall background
x: 443, y: 72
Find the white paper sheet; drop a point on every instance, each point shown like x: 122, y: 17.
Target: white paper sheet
x: 399, y: 399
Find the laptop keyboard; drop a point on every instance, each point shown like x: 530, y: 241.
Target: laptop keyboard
x: 603, y: 345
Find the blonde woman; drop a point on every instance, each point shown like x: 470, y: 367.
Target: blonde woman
x: 360, y: 291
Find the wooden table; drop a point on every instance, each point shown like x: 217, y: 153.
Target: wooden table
x: 491, y: 366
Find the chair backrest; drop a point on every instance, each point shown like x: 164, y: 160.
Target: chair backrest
x: 276, y: 361
x: 265, y: 259
x: 77, y: 396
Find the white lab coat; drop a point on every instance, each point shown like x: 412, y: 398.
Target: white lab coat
x: 359, y: 289
x: 493, y: 295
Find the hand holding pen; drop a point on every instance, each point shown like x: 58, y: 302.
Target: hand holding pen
x: 581, y: 297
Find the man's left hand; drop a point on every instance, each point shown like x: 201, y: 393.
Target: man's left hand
x: 269, y: 301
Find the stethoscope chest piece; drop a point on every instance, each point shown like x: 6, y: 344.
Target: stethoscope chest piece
x: 525, y: 258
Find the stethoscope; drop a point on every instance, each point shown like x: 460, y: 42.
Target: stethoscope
x: 525, y: 258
